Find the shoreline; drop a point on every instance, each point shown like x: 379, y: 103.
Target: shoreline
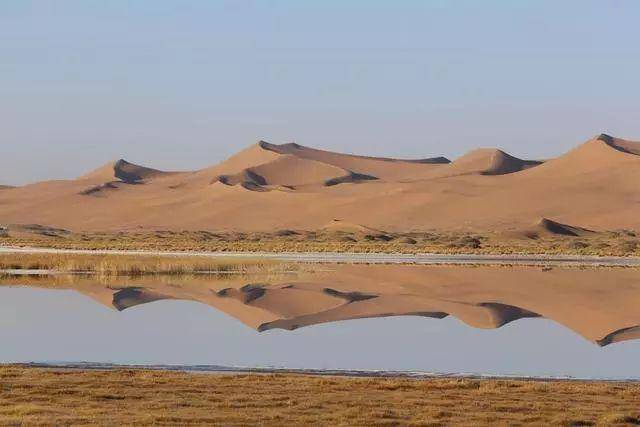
x: 341, y: 373
x: 359, y: 257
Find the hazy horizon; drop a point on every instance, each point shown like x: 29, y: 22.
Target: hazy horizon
x: 185, y: 85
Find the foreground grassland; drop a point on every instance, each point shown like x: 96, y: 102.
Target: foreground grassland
x: 121, y: 397
x: 135, y: 265
x: 614, y: 243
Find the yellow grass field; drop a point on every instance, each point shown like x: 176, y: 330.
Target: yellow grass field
x: 35, y: 396
x: 132, y: 265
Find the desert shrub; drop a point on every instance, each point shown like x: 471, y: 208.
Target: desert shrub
x: 577, y: 244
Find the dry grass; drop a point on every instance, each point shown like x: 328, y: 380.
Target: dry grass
x: 618, y: 243
x: 53, y: 397
x: 133, y: 265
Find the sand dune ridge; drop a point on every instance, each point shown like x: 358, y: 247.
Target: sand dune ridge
x: 592, y: 187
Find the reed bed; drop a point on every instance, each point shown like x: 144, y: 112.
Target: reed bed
x: 137, y: 265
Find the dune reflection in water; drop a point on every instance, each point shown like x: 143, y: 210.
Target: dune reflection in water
x: 600, y: 305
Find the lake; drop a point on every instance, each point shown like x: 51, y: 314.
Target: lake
x: 445, y: 319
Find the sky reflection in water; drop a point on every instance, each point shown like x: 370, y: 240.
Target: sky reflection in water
x: 38, y: 324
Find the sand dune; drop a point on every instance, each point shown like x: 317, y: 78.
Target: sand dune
x: 251, y: 156
x: 334, y: 158
x: 488, y: 161
x: 123, y: 171
x: 552, y: 227
x: 596, y: 155
x: 113, y: 175
x: 295, y: 165
x: 129, y: 172
x: 292, y: 172
x: 548, y: 228
x: 593, y: 186
x: 365, y: 166
x: 625, y: 146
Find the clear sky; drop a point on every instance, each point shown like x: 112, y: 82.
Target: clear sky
x: 184, y: 84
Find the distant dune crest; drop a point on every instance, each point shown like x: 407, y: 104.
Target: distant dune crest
x: 548, y: 228
x: 553, y: 227
x: 298, y: 167
x: 289, y: 186
x: 129, y: 172
x: 292, y: 172
x: 630, y: 147
x: 112, y: 175
x: 124, y: 171
x: 292, y: 166
x: 491, y: 161
x: 331, y: 157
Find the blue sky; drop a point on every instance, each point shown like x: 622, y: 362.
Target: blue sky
x: 181, y: 85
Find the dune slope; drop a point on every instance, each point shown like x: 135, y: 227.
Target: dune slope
x: 291, y: 172
x: 548, y: 228
x: 124, y: 171
x: 488, y: 161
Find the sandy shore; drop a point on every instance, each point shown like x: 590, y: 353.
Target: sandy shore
x: 143, y: 397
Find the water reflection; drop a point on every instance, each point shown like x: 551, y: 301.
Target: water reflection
x: 598, y: 304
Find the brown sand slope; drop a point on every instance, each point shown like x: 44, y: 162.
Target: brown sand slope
x: 379, y: 167
x: 549, y: 228
x: 490, y: 161
x: 251, y: 156
x: 292, y: 172
x: 594, y: 186
x: 114, y: 175
x: 353, y: 168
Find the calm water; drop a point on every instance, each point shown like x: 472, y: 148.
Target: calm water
x: 215, y: 320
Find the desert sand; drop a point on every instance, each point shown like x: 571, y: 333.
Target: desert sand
x: 593, y: 187
x: 598, y: 304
